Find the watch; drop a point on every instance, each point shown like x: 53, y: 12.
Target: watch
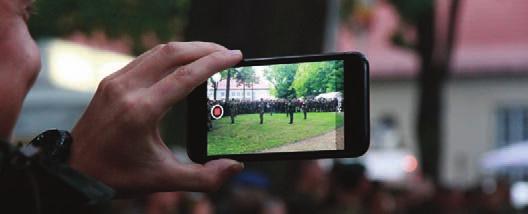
x: 48, y: 153
x: 54, y: 145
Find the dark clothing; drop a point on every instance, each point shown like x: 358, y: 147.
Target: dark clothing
x: 262, y: 109
x: 29, y: 184
x: 209, y: 117
x: 233, y: 110
x: 304, y: 108
x: 291, y: 110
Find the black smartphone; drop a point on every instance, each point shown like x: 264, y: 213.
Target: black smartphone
x: 282, y: 108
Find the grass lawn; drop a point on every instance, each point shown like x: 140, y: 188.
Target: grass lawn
x: 247, y: 135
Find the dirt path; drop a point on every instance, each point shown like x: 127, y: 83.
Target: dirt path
x: 321, y: 142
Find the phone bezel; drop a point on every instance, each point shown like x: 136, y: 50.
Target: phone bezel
x: 356, y: 108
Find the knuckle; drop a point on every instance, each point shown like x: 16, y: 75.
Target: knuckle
x: 171, y: 48
x: 113, y: 88
x: 158, y: 47
x: 183, y: 76
x: 183, y: 72
x: 104, y: 83
x: 132, y: 110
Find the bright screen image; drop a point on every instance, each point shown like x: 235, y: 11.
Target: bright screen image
x: 276, y: 108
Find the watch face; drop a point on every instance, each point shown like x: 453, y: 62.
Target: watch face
x: 54, y: 144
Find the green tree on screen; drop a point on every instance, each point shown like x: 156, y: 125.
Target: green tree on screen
x: 246, y: 77
x: 282, y: 76
x: 315, y: 78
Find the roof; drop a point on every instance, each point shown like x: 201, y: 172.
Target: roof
x: 235, y: 85
x: 491, y: 38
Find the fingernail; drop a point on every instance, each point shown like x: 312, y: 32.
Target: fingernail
x: 234, y: 52
x: 237, y: 167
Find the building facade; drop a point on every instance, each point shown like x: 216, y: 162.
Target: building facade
x: 485, y: 99
x: 239, y: 92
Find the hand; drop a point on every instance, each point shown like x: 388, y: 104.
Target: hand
x: 117, y: 140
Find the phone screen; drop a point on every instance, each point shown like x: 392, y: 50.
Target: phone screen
x: 295, y: 107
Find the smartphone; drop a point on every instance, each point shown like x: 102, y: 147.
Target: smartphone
x: 282, y: 108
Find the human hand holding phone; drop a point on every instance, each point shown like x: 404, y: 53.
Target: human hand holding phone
x: 117, y: 139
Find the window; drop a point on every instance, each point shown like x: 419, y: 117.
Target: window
x: 512, y: 125
x: 222, y: 94
x: 385, y: 133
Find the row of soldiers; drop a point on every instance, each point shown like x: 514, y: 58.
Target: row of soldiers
x: 281, y: 105
x: 236, y: 107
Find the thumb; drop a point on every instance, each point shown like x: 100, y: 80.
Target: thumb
x: 207, y: 177
x: 224, y: 168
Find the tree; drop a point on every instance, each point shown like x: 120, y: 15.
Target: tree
x: 215, y: 87
x: 228, y: 75
x: 308, y: 80
x: 336, y: 77
x: 245, y: 76
x: 133, y: 20
x: 282, y: 77
x: 314, y: 78
x: 435, y: 57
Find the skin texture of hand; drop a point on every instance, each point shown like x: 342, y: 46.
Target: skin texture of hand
x: 117, y: 140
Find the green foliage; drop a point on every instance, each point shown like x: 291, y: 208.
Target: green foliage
x: 117, y: 18
x: 223, y: 74
x: 306, y: 79
x: 246, y: 76
x: 315, y: 78
x: 336, y: 76
x: 412, y: 10
x: 282, y: 76
x: 247, y: 135
x: 346, y: 8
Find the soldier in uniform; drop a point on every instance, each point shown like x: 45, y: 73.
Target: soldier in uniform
x: 233, y: 110
x: 209, y: 123
x: 270, y: 107
x: 291, y: 110
x: 304, y: 108
x: 261, y: 109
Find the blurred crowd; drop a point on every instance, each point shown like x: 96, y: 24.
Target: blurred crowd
x: 313, y: 187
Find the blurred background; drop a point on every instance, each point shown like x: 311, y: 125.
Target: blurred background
x: 449, y: 97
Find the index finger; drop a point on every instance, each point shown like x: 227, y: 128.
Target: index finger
x: 163, y: 58
x: 181, y: 82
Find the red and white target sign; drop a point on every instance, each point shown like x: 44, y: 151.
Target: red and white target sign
x: 217, y: 111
